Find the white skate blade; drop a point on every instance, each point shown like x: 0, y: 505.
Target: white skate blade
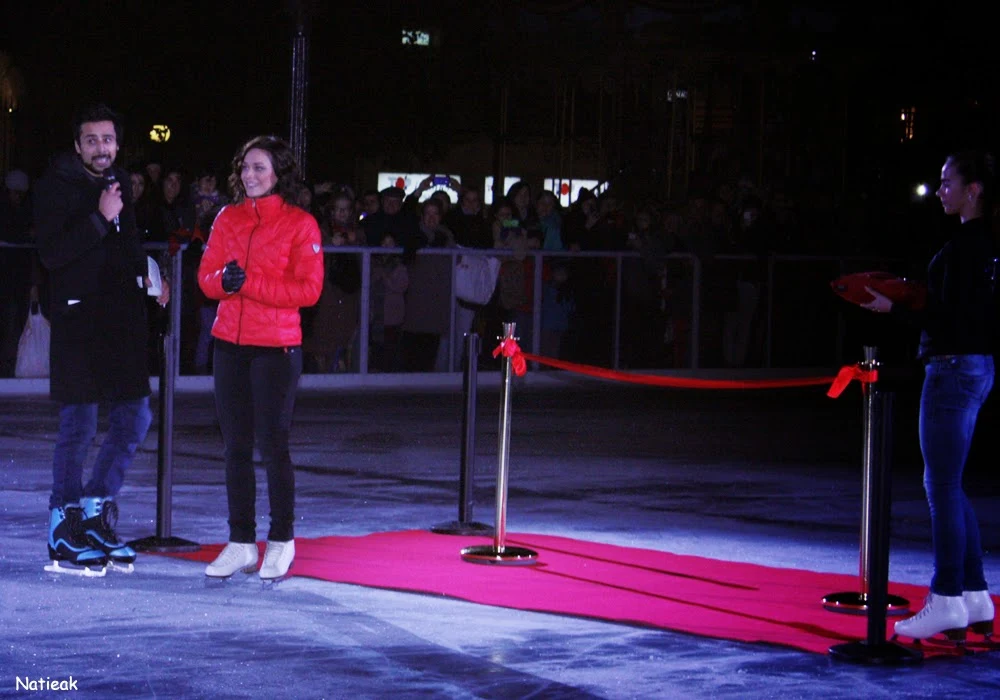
x: 268, y: 583
x: 247, y: 570
x: 56, y: 567
x: 121, y: 568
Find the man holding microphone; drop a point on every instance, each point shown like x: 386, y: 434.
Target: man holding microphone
x: 87, y: 239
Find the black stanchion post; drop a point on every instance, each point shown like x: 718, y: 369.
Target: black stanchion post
x: 878, y: 506
x: 466, y: 480
x: 162, y: 541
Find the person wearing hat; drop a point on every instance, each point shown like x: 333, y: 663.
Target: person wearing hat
x: 15, y: 266
x: 391, y: 218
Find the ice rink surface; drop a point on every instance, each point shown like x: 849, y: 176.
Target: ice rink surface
x: 770, y: 477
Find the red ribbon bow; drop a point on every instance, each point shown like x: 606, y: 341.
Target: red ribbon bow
x: 848, y: 374
x: 509, y: 348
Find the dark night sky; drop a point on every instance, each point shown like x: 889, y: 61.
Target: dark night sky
x: 218, y: 72
x: 212, y: 74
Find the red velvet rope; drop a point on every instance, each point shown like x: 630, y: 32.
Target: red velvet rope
x: 509, y: 348
x: 848, y: 374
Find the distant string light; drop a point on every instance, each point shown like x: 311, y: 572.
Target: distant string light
x: 907, y: 116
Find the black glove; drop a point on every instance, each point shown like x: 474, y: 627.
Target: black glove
x: 233, y: 277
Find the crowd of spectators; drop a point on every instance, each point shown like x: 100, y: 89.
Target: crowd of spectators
x: 410, y: 294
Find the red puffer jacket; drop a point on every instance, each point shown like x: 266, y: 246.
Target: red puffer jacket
x: 279, y: 246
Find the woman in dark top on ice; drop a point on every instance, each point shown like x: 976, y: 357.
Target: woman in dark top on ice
x: 957, y: 342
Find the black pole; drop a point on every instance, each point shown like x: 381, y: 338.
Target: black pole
x: 162, y: 541
x: 164, y: 443
x: 470, y: 383
x: 875, y: 649
x: 878, y: 548
x: 297, y: 111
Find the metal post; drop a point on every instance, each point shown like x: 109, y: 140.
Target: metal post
x: 162, y: 541
x: 470, y: 382
x: 695, y: 310
x: 769, y: 335
x: 452, y: 310
x: 499, y: 553
x: 165, y: 442
x: 364, y: 321
x: 536, y: 306
x: 297, y: 117
x: 874, y: 460
x: 616, y: 331
x: 875, y: 561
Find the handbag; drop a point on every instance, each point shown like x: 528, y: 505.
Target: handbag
x: 476, y: 278
x: 33, y: 347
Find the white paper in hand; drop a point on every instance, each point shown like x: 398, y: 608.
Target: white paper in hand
x: 153, y: 272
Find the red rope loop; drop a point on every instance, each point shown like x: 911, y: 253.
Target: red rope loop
x: 509, y: 348
x: 848, y: 374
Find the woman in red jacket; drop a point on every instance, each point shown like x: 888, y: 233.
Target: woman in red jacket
x: 263, y: 261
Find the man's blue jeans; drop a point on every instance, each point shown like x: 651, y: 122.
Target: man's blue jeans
x: 955, y: 387
x: 129, y: 422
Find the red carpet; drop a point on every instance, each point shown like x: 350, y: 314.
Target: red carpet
x: 705, y: 597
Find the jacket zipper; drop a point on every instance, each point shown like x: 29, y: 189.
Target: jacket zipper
x: 253, y: 203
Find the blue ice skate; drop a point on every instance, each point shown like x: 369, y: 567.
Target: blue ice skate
x: 100, y: 517
x: 70, y: 552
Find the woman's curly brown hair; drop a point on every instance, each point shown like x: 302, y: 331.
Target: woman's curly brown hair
x: 282, y: 161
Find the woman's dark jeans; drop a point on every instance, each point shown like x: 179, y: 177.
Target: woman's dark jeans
x: 955, y: 387
x: 255, y: 396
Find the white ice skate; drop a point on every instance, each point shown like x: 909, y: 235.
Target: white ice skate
x: 278, y: 559
x: 235, y: 556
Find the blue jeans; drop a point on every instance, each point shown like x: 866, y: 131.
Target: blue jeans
x: 129, y: 422
x: 955, y: 387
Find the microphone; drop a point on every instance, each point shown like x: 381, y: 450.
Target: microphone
x: 109, y: 180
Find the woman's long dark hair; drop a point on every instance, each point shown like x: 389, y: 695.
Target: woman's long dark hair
x: 282, y: 161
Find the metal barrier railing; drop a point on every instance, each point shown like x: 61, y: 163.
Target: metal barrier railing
x: 776, y: 317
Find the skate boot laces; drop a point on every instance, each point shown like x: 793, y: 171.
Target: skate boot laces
x: 108, y: 520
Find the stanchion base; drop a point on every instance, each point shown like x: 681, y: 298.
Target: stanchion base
x: 854, y: 603
x: 510, y: 556
x: 457, y: 527
x: 164, y: 544
x: 884, y: 654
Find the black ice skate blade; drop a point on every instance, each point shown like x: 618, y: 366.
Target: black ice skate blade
x: 58, y: 567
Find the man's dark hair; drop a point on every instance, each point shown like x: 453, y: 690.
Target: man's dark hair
x: 97, y: 113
